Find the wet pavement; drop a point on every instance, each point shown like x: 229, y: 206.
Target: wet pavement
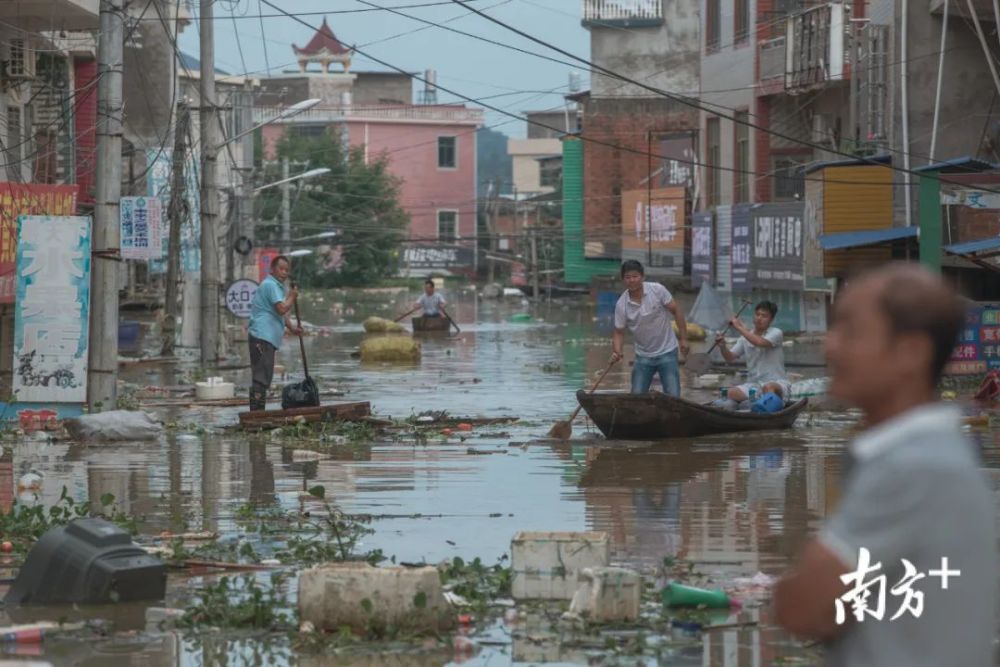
x: 733, y: 505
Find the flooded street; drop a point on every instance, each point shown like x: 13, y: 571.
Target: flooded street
x: 732, y: 506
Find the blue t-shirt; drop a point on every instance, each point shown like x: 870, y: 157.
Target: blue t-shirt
x: 266, y: 323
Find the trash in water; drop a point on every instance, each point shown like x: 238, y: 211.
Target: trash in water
x: 679, y: 595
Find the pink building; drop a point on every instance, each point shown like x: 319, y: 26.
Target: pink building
x: 431, y: 147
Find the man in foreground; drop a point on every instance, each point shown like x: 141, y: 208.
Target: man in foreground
x: 762, y: 348
x: 904, y: 572
x: 269, y: 318
x: 431, y: 302
x: 643, y: 309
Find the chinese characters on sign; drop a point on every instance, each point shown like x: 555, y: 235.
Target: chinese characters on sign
x: 441, y: 257
x: 52, y: 309
x: 860, y: 594
x: 158, y: 185
x: 777, y: 261
x: 653, y: 226
x: 702, y: 250
x: 140, y: 228
x: 239, y: 297
x: 742, y: 231
x: 26, y: 199
x: 978, y: 348
x: 264, y: 258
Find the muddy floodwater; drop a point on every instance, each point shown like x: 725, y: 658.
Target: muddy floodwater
x: 734, y: 506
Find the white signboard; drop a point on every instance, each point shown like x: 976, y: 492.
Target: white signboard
x: 239, y: 297
x: 52, y: 309
x: 140, y: 228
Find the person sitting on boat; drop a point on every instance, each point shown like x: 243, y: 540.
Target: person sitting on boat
x: 431, y: 302
x: 269, y: 319
x: 762, y: 350
x: 643, y: 308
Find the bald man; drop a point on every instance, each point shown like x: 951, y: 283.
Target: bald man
x: 914, y: 501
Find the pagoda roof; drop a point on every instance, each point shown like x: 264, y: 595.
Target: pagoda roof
x: 323, y: 41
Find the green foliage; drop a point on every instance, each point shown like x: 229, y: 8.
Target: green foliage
x: 358, y: 198
x: 477, y: 583
x: 240, y: 603
x: 24, y: 524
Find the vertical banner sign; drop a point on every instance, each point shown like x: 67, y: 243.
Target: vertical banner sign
x: 264, y: 258
x: 777, y: 261
x: 978, y: 348
x: 158, y: 185
x: 52, y: 309
x: 742, y: 226
x: 702, y: 249
x: 140, y: 228
x: 26, y: 199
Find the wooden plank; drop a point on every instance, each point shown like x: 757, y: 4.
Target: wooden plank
x: 354, y: 411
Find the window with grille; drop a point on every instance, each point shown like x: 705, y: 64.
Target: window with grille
x: 741, y: 177
x: 712, y: 24
x: 550, y: 173
x: 447, y: 152
x: 14, y: 144
x: 447, y: 226
x: 712, y: 159
x: 741, y: 22
x: 20, y: 61
x: 788, y: 181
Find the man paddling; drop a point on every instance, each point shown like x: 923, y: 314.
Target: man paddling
x: 642, y: 309
x: 269, y: 319
x: 904, y: 572
x: 761, y: 347
x: 430, y: 302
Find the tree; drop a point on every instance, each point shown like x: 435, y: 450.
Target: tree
x: 358, y: 199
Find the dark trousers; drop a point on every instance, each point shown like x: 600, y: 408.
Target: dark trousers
x: 261, y: 371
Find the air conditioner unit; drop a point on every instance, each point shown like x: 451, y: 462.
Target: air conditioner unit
x: 20, y: 62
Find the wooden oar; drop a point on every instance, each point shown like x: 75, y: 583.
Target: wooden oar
x: 406, y: 314
x: 700, y: 362
x: 457, y: 330
x: 564, y: 429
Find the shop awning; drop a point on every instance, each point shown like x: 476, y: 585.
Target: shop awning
x: 980, y: 248
x: 867, y: 237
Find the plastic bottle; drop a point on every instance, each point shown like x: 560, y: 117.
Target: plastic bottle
x: 678, y: 595
x: 753, y: 394
x: 724, y: 393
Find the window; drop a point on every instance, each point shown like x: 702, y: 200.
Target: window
x: 447, y: 226
x: 741, y: 177
x: 447, y: 152
x: 14, y: 144
x: 550, y: 175
x: 741, y: 22
x: 712, y: 159
x: 788, y: 182
x: 712, y: 9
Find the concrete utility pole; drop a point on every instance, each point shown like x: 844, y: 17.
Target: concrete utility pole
x: 102, y: 374
x: 175, y: 214
x: 286, y: 209
x: 209, y: 194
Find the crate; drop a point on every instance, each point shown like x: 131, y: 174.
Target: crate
x: 545, y: 565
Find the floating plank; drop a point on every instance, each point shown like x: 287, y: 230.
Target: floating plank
x: 356, y: 411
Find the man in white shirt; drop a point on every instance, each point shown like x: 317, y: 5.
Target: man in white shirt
x: 642, y: 309
x: 762, y: 349
x: 431, y: 302
x: 904, y: 571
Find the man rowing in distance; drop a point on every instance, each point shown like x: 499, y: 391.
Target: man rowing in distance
x: 762, y: 348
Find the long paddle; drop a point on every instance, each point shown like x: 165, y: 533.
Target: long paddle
x: 302, y: 344
x: 406, y: 314
x: 457, y: 330
x: 564, y: 429
x: 700, y: 362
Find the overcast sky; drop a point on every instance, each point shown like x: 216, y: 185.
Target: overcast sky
x: 514, y: 81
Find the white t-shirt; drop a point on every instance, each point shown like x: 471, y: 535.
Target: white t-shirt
x: 431, y: 303
x: 648, y: 321
x: 764, y: 364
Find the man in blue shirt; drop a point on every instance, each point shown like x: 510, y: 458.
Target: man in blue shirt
x: 268, y: 321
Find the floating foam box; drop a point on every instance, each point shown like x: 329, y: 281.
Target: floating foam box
x: 546, y: 565
x: 709, y: 381
x: 607, y: 595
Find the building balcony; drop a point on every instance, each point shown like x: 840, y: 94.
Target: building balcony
x: 418, y: 114
x: 51, y: 14
x: 622, y: 13
x: 814, y: 52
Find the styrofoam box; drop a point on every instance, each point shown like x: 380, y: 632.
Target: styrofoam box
x: 545, y: 564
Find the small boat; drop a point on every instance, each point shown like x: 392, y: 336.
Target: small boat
x: 332, y: 412
x: 424, y: 324
x: 655, y: 416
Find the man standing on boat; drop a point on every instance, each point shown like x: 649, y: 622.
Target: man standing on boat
x: 642, y: 309
x: 430, y: 301
x: 762, y: 348
x: 269, y: 319
x: 904, y: 571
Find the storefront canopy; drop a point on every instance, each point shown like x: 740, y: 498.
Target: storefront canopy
x: 868, y: 237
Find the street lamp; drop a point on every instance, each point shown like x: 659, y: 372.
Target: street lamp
x: 287, y: 112
x: 304, y: 175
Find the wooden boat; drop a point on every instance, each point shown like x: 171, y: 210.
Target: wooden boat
x: 425, y: 324
x: 654, y: 416
x: 356, y: 411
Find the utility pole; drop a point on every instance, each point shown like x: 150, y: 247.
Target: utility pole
x: 102, y: 373
x: 175, y: 214
x: 534, y: 262
x: 209, y: 194
x: 286, y: 209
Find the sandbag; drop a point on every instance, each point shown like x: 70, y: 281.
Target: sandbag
x: 381, y: 325
x: 303, y: 394
x: 113, y: 426
x: 390, y: 348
